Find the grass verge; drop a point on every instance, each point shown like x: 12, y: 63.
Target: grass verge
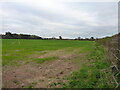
x: 91, y: 74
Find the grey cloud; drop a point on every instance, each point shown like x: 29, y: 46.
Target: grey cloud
x: 97, y: 19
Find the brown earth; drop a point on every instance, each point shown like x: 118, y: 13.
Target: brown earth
x: 49, y: 74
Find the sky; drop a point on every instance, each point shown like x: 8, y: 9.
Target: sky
x: 54, y: 18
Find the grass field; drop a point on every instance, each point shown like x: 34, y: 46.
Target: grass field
x: 54, y: 63
x: 14, y: 50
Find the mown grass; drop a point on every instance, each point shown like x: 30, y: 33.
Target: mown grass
x: 15, y: 50
x: 91, y: 74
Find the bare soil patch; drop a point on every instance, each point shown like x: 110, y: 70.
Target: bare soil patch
x: 49, y: 74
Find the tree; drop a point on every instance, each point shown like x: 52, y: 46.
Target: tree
x: 60, y: 37
x: 8, y: 35
x: 15, y: 36
x: 92, y: 38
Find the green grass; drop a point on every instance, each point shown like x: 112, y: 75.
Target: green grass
x: 15, y: 50
x: 91, y: 74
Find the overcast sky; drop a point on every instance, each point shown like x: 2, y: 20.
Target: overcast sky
x: 48, y: 18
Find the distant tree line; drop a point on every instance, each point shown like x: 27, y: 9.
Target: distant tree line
x: 89, y: 39
x: 9, y: 35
